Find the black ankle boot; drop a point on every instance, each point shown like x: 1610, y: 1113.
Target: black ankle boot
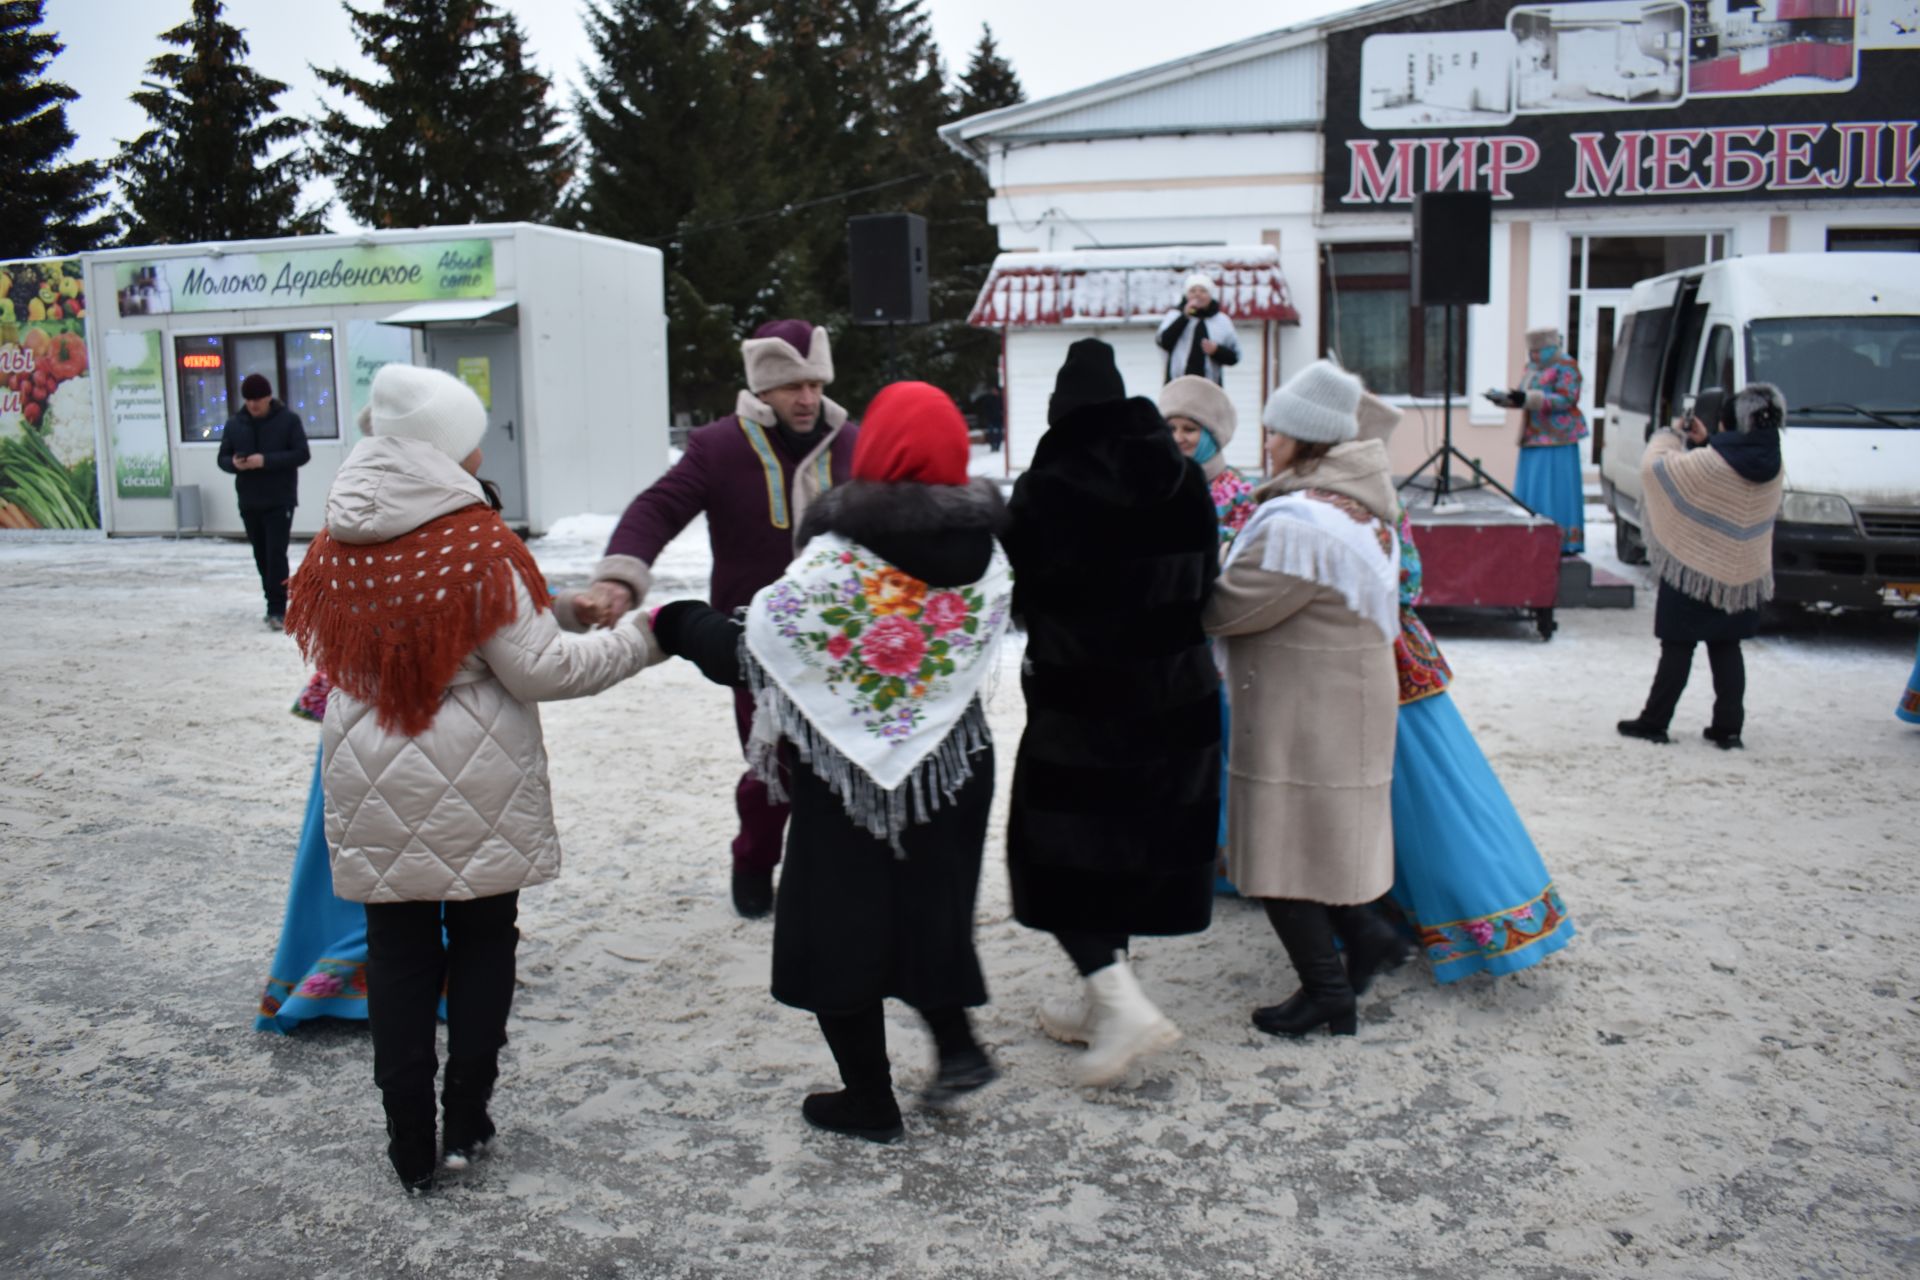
x: 960, y: 1074
x: 1722, y: 739
x: 1372, y: 944
x: 1638, y: 728
x: 410, y: 1140
x: 469, y: 1128
x: 870, y: 1113
x: 1325, y: 999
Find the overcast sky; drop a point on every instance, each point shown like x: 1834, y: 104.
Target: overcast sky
x: 1054, y: 45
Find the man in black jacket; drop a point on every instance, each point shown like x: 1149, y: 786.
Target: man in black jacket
x: 264, y: 446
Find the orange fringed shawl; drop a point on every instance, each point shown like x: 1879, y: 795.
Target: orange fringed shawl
x: 391, y: 622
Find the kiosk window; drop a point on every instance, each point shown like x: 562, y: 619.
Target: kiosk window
x: 1368, y: 319
x: 299, y: 363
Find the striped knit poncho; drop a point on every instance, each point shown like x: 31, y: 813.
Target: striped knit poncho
x: 1709, y: 529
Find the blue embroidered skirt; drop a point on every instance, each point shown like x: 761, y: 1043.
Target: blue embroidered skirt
x: 1465, y: 870
x: 1549, y: 482
x: 320, y: 968
x: 1909, y: 708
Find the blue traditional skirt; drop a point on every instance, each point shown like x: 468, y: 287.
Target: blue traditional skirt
x: 1465, y: 870
x: 320, y: 968
x: 1909, y: 708
x: 1549, y: 482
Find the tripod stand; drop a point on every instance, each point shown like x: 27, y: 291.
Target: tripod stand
x: 1442, y: 482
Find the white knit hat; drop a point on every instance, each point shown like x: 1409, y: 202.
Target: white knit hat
x: 1202, y: 280
x: 1319, y: 405
x: 787, y: 351
x: 1202, y: 400
x: 428, y: 405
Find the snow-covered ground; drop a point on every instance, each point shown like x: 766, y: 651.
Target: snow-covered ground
x: 1715, y: 1080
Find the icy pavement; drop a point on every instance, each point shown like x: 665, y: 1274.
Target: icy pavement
x: 1715, y: 1079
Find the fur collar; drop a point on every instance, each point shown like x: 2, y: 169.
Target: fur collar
x: 861, y: 510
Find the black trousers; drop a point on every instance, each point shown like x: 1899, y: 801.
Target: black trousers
x: 859, y: 1042
x: 268, y: 531
x: 407, y: 965
x: 1670, y: 680
x: 1091, y: 952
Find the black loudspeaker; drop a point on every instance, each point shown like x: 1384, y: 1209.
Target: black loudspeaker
x: 1452, y: 247
x: 887, y: 263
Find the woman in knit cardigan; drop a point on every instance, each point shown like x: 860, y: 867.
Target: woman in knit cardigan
x: 1711, y: 500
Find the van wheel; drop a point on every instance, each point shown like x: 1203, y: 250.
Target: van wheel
x: 1627, y: 543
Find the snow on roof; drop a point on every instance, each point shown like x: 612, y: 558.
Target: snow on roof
x: 1129, y: 285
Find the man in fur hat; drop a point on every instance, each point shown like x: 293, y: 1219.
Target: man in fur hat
x: 753, y: 473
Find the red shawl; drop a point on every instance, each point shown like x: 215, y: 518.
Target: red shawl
x: 391, y: 622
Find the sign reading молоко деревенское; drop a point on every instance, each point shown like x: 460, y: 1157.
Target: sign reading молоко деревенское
x: 414, y: 271
x: 1562, y: 104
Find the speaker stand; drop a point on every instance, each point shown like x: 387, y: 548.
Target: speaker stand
x: 1441, y: 460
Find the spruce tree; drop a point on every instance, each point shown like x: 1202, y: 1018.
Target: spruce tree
x: 45, y: 205
x: 457, y: 128
x: 990, y: 82
x: 205, y: 169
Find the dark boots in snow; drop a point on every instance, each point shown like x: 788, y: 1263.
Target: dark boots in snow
x: 1372, y: 945
x: 410, y: 1140
x: 1324, y: 999
x: 468, y: 1127
x: 867, y: 1113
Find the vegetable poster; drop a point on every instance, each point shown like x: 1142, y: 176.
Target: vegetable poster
x: 46, y: 399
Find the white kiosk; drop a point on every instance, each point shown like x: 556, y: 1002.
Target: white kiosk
x: 563, y: 335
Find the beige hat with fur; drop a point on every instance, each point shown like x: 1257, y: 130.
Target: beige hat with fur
x: 786, y: 351
x: 1202, y: 400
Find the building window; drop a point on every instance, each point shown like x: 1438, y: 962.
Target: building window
x: 1369, y: 323
x: 1873, y: 239
x: 299, y: 363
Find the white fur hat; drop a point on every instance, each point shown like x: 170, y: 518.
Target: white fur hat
x: 426, y: 405
x: 1200, y: 280
x: 784, y: 351
x: 1319, y: 404
x: 1547, y: 335
x: 1202, y: 400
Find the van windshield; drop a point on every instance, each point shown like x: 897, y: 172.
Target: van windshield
x: 1841, y: 371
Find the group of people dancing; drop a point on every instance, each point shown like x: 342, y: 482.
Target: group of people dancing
x: 1207, y: 664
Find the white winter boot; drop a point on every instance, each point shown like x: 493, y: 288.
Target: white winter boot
x: 1068, y: 1019
x: 1125, y: 1026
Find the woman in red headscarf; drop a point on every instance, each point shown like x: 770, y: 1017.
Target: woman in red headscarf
x: 866, y: 659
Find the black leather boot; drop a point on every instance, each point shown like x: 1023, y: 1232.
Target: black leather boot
x: 868, y: 1113
x: 1372, y: 944
x: 1324, y: 999
x: 469, y: 1128
x: 752, y: 893
x: 410, y: 1139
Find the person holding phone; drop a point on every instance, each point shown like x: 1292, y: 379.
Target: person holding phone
x: 1709, y: 520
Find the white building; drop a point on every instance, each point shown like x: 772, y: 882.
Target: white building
x: 563, y: 336
x: 1314, y: 140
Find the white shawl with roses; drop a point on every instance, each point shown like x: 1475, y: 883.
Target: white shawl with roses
x: 873, y: 676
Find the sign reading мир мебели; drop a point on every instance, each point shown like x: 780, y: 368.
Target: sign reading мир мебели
x: 416, y: 271
x: 1638, y: 101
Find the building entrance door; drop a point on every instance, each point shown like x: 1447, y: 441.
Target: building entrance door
x: 488, y: 360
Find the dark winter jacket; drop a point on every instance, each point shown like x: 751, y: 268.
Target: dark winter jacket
x: 743, y: 476
x: 282, y: 441
x: 1115, y: 545
x: 854, y: 922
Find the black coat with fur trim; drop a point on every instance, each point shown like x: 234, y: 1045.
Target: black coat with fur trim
x: 853, y: 922
x: 1116, y: 792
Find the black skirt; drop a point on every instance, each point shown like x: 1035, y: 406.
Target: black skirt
x: 855, y: 922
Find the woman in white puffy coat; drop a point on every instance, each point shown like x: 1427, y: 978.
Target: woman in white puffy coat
x: 437, y: 629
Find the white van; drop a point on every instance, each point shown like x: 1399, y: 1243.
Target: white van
x: 1839, y: 334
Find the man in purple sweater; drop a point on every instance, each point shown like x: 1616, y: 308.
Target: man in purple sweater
x: 753, y: 472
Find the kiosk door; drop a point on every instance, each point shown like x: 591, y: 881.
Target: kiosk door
x: 489, y: 362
